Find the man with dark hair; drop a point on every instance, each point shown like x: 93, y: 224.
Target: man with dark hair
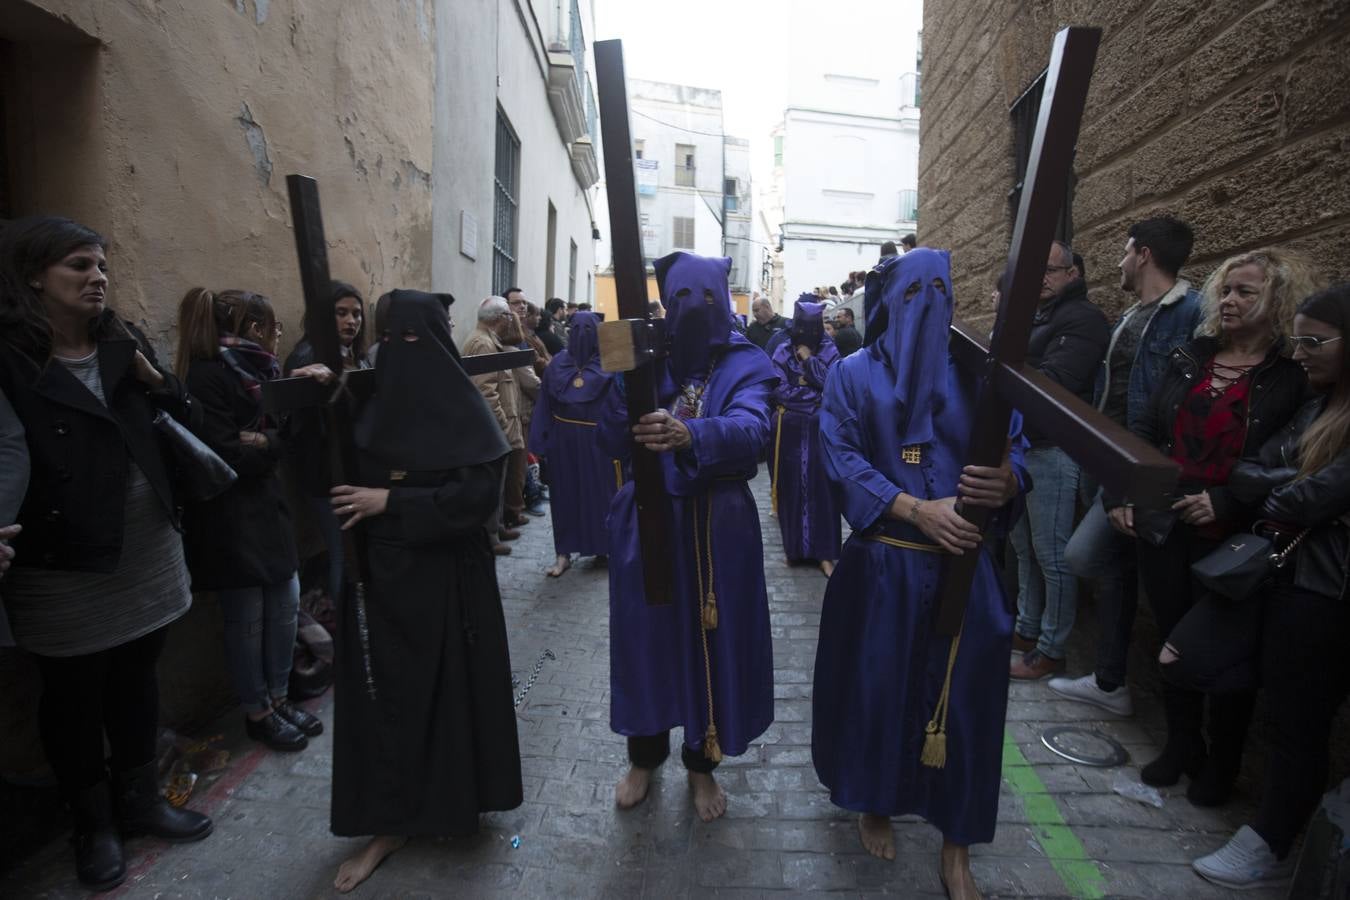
x: 555, y: 320
x: 1166, y: 312
x: 846, y: 337
x: 888, y: 250
x: 909, y: 242
x: 1068, y: 339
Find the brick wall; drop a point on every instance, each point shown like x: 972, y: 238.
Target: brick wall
x: 1232, y: 114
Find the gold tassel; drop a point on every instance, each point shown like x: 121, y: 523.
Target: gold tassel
x: 777, y: 451
x: 710, y: 612
x: 711, y: 748
x: 934, y: 747
x: 934, y: 753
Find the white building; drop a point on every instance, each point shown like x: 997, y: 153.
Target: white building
x: 846, y: 154
x: 693, y: 180
x: 516, y: 154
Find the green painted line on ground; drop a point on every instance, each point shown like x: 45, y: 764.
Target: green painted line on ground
x: 1081, y: 876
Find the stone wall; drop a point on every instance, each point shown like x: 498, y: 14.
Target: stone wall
x: 1232, y: 114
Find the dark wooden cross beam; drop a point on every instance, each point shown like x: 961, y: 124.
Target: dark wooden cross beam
x: 630, y: 286
x: 339, y: 404
x: 1107, y: 451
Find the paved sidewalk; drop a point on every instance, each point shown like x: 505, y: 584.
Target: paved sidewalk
x: 1062, y: 833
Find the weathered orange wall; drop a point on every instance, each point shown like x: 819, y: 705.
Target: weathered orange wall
x: 607, y: 303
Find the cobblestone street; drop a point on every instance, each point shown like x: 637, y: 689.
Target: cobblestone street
x: 1063, y: 831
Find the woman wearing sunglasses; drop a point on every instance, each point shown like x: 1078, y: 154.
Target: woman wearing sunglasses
x: 1301, y: 482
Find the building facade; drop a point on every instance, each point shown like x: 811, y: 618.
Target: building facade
x: 1234, y: 117
x: 693, y: 182
x: 451, y: 140
x: 846, y: 154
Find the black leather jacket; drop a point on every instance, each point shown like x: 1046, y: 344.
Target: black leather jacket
x: 1278, y: 387
x: 1321, y: 502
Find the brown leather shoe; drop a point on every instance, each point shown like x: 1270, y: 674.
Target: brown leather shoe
x: 1034, y: 666
x: 508, y: 534
x: 501, y: 549
x: 1023, y: 644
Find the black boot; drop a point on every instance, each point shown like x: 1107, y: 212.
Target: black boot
x: 1229, y: 717
x: 1184, y: 753
x: 141, y: 809
x: 98, y: 849
x: 307, y: 723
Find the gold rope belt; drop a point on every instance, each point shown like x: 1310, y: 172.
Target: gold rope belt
x: 618, y: 474
x: 707, y: 621
x: 777, y: 452
x: 905, y: 545
x: 558, y: 418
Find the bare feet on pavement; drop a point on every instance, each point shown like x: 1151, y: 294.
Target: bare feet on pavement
x: 710, y: 801
x: 563, y: 563
x: 632, y: 788
x: 877, y: 837
x: 358, y: 868
x: 955, y: 873
x: 827, y: 567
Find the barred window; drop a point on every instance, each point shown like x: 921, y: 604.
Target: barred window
x: 1025, y: 112
x: 572, y: 273
x: 506, y: 177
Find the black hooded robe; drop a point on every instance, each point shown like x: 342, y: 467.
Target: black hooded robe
x: 424, y: 728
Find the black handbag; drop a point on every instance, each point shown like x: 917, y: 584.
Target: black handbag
x: 202, y: 474
x: 1241, y: 565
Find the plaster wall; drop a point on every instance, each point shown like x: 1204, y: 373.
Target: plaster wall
x: 185, y: 119
x: 1233, y: 115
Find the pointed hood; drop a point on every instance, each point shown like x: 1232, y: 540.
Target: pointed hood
x: 910, y: 297
x: 699, y: 321
x: 808, y: 322
x: 426, y: 415
x: 575, y: 374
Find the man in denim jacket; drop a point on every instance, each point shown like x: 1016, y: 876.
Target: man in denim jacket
x: 1163, y: 318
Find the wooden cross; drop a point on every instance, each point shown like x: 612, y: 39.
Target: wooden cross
x: 339, y: 404
x: 1122, y: 462
x: 636, y: 354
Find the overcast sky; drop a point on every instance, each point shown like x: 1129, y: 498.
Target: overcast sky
x: 742, y: 48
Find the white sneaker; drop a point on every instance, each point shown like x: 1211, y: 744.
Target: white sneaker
x: 1246, y: 861
x: 1085, y: 690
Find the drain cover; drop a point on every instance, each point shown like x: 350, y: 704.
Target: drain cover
x: 1084, y: 746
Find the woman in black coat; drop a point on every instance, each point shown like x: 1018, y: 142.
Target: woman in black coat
x: 1221, y: 397
x: 240, y: 545
x: 1300, y: 481
x: 98, y: 570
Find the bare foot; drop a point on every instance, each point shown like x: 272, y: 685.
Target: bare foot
x: 358, y: 868
x: 876, y: 834
x: 632, y: 788
x: 561, y: 565
x: 955, y: 873
x: 710, y: 801
x: 827, y: 567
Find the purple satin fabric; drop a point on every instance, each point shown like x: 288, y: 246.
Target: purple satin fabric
x: 657, y: 677
x: 582, y: 478
x: 808, y: 517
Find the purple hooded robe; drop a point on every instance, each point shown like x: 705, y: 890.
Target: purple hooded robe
x: 666, y: 669
x: 582, y: 478
x: 880, y: 666
x: 807, y: 515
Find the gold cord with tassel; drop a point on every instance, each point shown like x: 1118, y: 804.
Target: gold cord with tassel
x: 712, y: 749
x: 934, y: 753
x: 777, y: 445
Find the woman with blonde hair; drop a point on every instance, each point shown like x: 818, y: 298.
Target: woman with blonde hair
x: 1300, y: 484
x: 240, y: 544
x: 1220, y: 398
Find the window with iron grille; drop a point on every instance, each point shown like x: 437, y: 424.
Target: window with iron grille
x: 1026, y: 109
x: 506, y: 177
x: 682, y: 232
x: 572, y: 273
x: 684, y: 165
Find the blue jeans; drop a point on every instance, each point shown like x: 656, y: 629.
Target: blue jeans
x: 331, y: 529
x: 1104, y: 557
x: 260, y: 640
x: 1047, y: 595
